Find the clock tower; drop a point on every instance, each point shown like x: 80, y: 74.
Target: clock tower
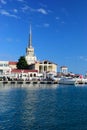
x: 30, y: 56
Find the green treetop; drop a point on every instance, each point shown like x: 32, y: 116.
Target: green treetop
x: 22, y: 63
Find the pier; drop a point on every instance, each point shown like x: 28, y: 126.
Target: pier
x: 28, y: 82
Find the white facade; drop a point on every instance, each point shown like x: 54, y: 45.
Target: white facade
x: 64, y: 69
x: 4, y: 67
x: 30, y: 57
x: 24, y: 74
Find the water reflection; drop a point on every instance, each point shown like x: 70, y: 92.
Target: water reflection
x: 7, y: 86
x: 42, y: 107
x: 19, y: 104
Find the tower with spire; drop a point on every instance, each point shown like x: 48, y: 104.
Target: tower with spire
x: 30, y: 56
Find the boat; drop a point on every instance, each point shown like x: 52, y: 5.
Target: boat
x: 85, y: 80
x: 81, y: 81
x: 67, y: 81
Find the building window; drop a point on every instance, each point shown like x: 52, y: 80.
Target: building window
x: 30, y: 75
x: 1, y: 65
x: 45, y: 62
x: 1, y: 71
x: 40, y: 68
x: 34, y: 75
x: 5, y: 65
x: 45, y: 68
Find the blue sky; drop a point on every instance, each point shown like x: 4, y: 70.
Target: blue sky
x: 59, y: 31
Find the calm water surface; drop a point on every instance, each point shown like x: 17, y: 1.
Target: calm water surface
x: 43, y: 107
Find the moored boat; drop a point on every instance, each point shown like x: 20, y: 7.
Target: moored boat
x: 67, y: 80
x: 81, y: 81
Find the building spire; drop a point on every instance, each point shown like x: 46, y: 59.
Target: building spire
x: 30, y: 38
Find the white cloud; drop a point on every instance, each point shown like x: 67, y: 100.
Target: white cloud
x: 4, y: 12
x: 62, y: 22
x: 83, y: 58
x: 57, y: 18
x: 26, y: 7
x: 9, y: 40
x: 41, y: 10
x: 3, y: 1
x: 50, y: 11
x: 15, y: 10
x: 46, y: 25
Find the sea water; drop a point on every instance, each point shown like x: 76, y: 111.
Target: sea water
x: 43, y: 107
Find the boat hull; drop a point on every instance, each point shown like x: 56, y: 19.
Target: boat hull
x: 67, y: 81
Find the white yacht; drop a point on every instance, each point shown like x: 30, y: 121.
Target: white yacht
x: 67, y: 81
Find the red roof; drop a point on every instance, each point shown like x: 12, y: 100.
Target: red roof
x: 12, y: 62
x: 22, y: 71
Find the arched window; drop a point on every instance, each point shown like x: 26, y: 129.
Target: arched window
x: 30, y: 75
x: 34, y: 75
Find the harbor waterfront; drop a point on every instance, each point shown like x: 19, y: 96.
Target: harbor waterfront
x: 43, y: 107
x: 30, y: 70
x: 61, y: 80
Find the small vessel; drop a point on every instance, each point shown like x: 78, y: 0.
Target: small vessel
x: 67, y: 81
x: 81, y: 81
x: 85, y: 80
